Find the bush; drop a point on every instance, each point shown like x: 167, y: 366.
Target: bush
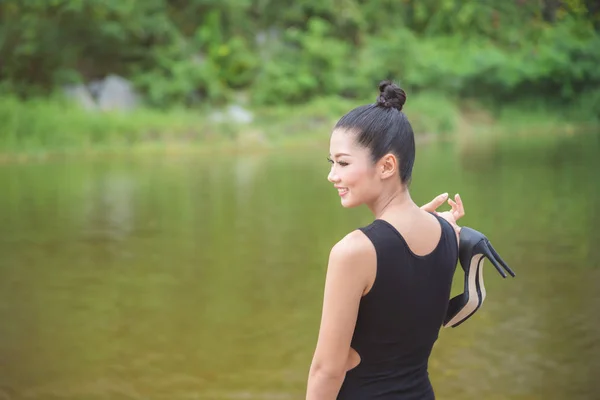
x: 188, y: 52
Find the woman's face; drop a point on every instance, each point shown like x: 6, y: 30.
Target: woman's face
x: 353, y: 172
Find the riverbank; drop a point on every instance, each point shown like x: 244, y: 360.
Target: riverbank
x: 43, y: 129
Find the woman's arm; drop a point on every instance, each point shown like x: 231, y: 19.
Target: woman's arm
x: 351, y: 262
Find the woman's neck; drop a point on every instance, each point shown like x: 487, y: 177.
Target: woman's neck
x: 397, y: 200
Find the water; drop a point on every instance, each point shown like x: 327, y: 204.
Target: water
x: 201, y: 277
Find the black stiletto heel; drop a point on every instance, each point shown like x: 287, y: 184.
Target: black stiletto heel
x: 472, y: 249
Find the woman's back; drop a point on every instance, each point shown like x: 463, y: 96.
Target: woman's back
x: 400, y: 317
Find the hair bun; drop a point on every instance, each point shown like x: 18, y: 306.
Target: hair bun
x: 391, y: 96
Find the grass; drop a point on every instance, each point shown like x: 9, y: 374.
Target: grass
x: 42, y: 128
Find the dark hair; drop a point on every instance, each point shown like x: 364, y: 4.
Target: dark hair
x: 383, y: 128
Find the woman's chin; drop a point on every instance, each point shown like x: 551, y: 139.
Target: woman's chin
x: 348, y: 203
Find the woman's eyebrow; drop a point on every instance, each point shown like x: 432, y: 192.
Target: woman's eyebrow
x: 339, y: 154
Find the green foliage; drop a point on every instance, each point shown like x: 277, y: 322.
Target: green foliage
x: 183, y: 52
x: 38, y: 125
x: 309, y: 63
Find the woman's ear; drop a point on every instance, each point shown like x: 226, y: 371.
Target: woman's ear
x: 388, y: 165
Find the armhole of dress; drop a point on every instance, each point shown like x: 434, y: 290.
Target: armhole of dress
x: 366, y: 230
x: 450, y: 231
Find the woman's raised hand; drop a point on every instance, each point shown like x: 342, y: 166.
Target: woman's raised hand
x: 456, y: 212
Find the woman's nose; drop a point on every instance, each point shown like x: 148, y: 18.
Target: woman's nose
x: 332, y: 176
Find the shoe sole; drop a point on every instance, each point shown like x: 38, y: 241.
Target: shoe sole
x: 475, y: 279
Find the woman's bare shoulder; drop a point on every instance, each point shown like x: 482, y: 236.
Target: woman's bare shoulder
x: 353, y: 248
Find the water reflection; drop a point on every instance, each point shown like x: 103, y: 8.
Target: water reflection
x: 201, y: 278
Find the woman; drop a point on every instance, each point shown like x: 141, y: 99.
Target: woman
x: 388, y: 284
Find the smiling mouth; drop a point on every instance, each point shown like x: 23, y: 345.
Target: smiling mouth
x: 342, y: 192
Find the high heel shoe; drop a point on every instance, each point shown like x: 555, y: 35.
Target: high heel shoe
x: 473, y: 248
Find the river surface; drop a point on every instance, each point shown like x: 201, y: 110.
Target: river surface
x: 201, y: 277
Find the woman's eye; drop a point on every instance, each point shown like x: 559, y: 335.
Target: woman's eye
x: 341, y: 163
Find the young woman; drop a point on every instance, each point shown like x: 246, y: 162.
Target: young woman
x: 388, y: 284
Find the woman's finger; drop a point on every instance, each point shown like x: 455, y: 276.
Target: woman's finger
x: 453, y: 205
x: 461, y: 208
x: 456, y: 212
x: 435, y: 203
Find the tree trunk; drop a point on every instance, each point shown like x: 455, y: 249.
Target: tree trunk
x: 593, y: 7
x: 549, y: 10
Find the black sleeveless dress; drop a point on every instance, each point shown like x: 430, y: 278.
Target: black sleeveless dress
x: 400, y: 318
